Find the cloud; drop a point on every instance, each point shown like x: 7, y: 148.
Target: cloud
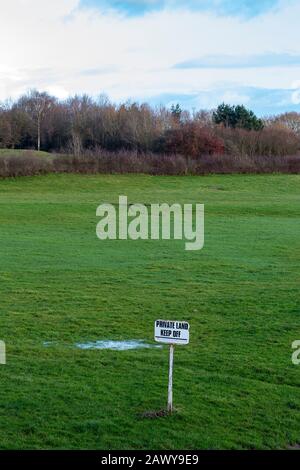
x: 241, y: 61
x: 55, y: 90
x: 99, y: 71
x: 63, y: 47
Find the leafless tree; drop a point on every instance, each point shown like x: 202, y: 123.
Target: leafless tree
x: 290, y: 120
x: 36, y: 105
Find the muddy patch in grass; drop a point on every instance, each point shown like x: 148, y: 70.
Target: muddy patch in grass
x: 154, y: 414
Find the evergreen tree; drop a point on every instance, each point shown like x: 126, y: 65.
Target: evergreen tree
x: 176, y: 112
x: 237, y: 116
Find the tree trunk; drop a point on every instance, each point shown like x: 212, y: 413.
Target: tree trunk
x: 39, y: 134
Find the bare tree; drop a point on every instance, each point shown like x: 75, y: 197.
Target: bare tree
x: 290, y: 120
x: 36, y: 105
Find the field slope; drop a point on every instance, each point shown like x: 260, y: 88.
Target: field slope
x: 234, y: 386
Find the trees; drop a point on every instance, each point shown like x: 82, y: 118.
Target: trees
x: 5, y: 130
x: 36, y: 105
x: 290, y: 120
x: 225, y: 114
x: 176, y: 113
x: 192, y: 140
x: 203, y: 117
x: 246, y: 119
x: 79, y: 112
x: 79, y: 123
x: 237, y: 116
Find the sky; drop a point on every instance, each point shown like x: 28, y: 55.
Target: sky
x: 198, y: 53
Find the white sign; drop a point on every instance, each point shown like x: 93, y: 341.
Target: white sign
x: 172, y: 332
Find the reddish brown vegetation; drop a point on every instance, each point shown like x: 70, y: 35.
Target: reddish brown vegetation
x: 271, y: 141
x: 155, y: 164
x: 191, y: 139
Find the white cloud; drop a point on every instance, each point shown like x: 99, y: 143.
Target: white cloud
x: 55, y: 45
x: 56, y: 90
x: 235, y: 98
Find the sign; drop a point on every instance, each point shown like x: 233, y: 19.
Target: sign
x: 172, y: 332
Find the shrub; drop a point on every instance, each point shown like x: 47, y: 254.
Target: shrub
x: 270, y: 141
x: 25, y: 165
x: 191, y: 139
x: 102, y: 161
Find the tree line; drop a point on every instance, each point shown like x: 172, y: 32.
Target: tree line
x: 39, y: 121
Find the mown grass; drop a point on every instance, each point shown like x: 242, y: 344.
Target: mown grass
x: 234, y: 385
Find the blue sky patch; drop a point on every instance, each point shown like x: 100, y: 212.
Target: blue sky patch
x: 246, y: 8
x: 261, y: 100
x: 241, y: 61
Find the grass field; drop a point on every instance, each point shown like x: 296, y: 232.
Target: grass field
x: 234, y: 385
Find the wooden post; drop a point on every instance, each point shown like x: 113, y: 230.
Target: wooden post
x: 170, y: 388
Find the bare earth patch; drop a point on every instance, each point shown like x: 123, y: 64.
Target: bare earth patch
x: 155, y: 414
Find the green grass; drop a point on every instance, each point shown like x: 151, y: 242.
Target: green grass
x: 234, y: 385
